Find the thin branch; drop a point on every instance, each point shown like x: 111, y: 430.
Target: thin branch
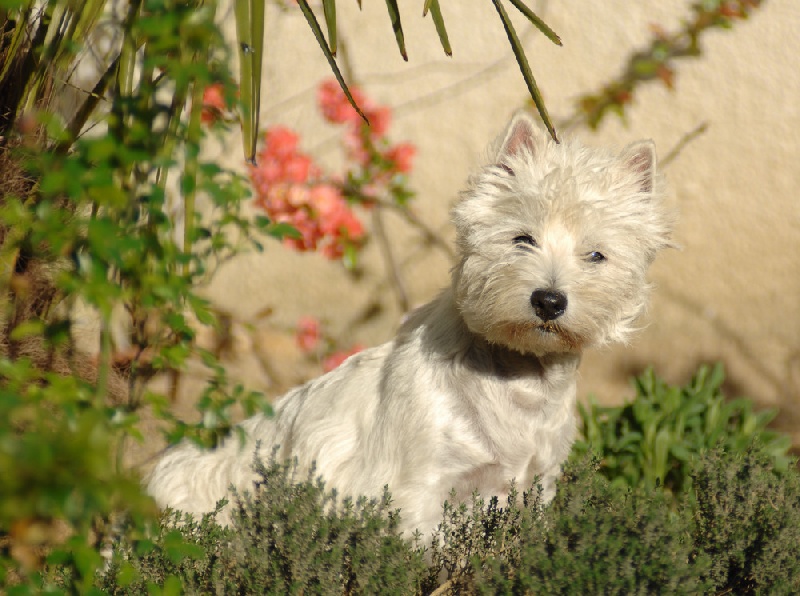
x: 388, y: 257
x: 431, y: 236
x: 689, y: 137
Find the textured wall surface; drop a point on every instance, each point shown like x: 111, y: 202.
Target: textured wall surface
x: 731, y: 294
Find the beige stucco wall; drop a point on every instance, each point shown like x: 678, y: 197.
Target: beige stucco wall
x: 731, y: 294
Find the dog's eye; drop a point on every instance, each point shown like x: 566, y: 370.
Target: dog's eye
x: 525, y: 239
x: 595, y: 257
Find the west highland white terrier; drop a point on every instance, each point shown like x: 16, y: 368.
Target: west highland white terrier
x: 478, y: 387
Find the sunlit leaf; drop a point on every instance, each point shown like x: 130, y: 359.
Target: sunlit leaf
x: 397, y: 27
x: 525, y: 68
x: 329, y: 7
x: 250, y: 33
x: 537, y: 22
x: 318, y: 35
x: 438, y: 21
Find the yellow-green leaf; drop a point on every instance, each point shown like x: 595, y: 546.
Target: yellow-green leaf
x: 438, y: 21
x: 317, y: 31
x: 329, y: 7
x: 525, y: 68
x: 397, y: 27
x: 250, y: 32
x: 537, y: 22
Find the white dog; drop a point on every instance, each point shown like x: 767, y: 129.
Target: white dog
x: 478, y: 387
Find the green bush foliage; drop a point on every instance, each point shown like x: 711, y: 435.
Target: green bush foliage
x: 86, y: 220
x: 747, y: 522
x: 734, y: 527
x: 739, y: 535
x: 653, y: 438
x: 287, y: 537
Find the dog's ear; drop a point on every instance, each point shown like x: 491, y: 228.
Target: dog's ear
x: 640, y: 161
x: 521, y: 136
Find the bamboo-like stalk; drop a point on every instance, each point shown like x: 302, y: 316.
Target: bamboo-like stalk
x: 250, y: 18
x: 104, y: 359
x: 257, y: 35
x: 20, y: 29
x: 189, y: 182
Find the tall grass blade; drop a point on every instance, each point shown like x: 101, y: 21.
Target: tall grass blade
x: 329, y: 6
x: 250, y: 33
x: 537, y: 22
x: 397, y: 27
x: 317, y: 31
x: 257, y: 37
x: 20, y: 29
x: 525, y: 68
x: 438, y: 21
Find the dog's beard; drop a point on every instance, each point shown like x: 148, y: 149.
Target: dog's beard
x: 538, y: 337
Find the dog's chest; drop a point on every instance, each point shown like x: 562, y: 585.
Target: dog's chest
x: 514, y: 430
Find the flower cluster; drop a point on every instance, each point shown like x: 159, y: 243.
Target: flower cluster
x: 658, y: 61
x: 336, y: 358
x: 379, y: 166
x: 308, y: 334
x: 291, y: 189
x: 216, y: 106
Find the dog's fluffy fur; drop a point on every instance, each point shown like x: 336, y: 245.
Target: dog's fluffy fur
x: 478, y: 387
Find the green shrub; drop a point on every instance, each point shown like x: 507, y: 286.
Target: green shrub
x: 653, y: 439
x: 747, y: 523
x: 596, y: 538
x: 739, y: 535
x: 289, y: 537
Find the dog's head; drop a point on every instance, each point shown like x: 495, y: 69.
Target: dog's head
x: 554, y: 241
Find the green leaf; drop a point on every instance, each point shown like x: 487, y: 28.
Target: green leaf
x: 525, y: 68
x: 680, y: 452
x: 250, y: 33
x: 350, y: 257
x: 537, y: 22
x: 172, y: 586
x: 29, y: 328
x: 317, y: 31
x: 329, y: 7
x: 280, y: 230
x: 438, y: 21
x: 397, y: 27
x: 717, y: 376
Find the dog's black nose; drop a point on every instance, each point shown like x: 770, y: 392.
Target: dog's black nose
x: 548, y: 304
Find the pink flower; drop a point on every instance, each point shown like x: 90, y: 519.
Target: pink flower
x: 297, y: 169
x: 335, y: 359
x: 281, y: 142
x: 353, y: 141
x: 402, y: 156
x: 380, y: 119
x: 308, y: 334
x: 334, y: 105
x: 213, y: 103
x: 326, y: 200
